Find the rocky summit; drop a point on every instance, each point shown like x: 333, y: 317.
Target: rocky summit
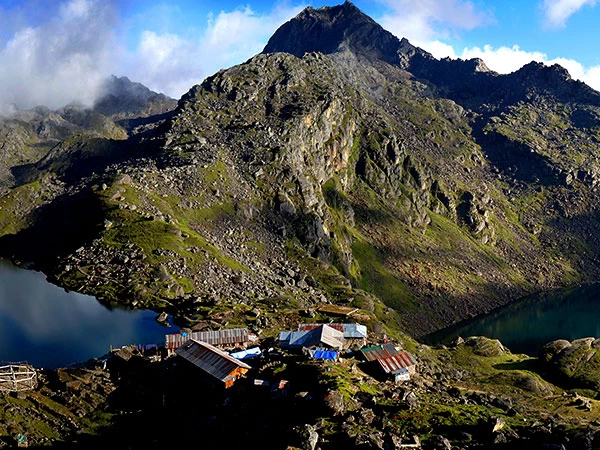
x: 342, y: 166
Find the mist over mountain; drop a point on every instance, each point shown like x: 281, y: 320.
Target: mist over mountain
x: 62, y: 61
x: 119, y: 96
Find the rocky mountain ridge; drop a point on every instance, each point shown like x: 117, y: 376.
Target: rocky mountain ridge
x: 352, y: 168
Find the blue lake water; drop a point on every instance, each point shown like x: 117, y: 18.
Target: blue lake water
x: 526, y: 325
x: 48, y: 327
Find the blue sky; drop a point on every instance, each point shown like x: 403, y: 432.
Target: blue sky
x: 55, y: 52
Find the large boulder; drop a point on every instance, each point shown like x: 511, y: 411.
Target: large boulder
x: 577, y: 363
x: 484, y: 346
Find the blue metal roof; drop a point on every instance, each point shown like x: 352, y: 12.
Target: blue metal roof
x: 284, y: 335
x: 298, y: 338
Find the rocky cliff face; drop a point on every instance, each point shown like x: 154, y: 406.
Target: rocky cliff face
x: 351, y: 168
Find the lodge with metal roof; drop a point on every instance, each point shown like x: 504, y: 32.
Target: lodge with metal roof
x: 350, y: 330
x: 331, y: 335
x: 400, y: 365
x: 376, y: 352
x: 323, y: 336
x: 395, y: 363
x: 226, y: 338
x: 213, y: 361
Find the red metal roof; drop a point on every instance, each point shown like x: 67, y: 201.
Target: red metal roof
x: 230, y: 336
x: 394, y: 363
x: 379, y: 352
x: 210, y: 359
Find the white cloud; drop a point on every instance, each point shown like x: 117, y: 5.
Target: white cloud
x: 66, y: 52
x: 75, y: 9
x: 557, y: 12
x: 426, y: 20
x: 61, y: 61
x: 173, y: 63
x: 439, y: 49
x: 426, y: 23
x: 503, y: 59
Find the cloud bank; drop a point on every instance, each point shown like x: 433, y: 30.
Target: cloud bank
x: 509, y: 59
x: 65, y: 57
x: 427, y: 22
x: 426, y: 19
x: 61, y: 61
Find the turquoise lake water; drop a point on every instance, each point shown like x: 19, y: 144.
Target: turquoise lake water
x: 526, y: 325
x: 48, y: 327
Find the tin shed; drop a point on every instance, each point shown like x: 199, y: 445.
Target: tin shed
x: 231, y: 337
x: 213, y: 361
x: 376, y: 352
x: 400, y: 366
x: 322, y: 336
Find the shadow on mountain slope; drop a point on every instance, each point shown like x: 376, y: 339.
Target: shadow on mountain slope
x: 58, y: 229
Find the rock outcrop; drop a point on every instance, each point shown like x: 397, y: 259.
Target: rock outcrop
x: 574, y: 363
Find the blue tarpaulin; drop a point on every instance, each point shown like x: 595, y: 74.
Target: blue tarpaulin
x: 329, y: 355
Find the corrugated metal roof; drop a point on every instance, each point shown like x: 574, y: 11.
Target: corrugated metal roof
x: 378, y: 352
x: 390, y: 348
x: 210, y: 359
x: 312, y: 326
x: 350, y: 330
x: 355, y: 331
x: 297, y: 338
x: 230, y: 336
x: 284, y: 335
x: 394, y: 363
x: 323, y: 334
x: 331, y: 337
x: 247, y: 354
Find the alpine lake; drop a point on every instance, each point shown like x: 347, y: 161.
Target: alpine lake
x: 49, y: 327
x: 526, y: 325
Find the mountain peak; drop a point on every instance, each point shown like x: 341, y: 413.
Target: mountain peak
x: 336, y: 28
x: 123, y: 97
x: 538, y: 69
